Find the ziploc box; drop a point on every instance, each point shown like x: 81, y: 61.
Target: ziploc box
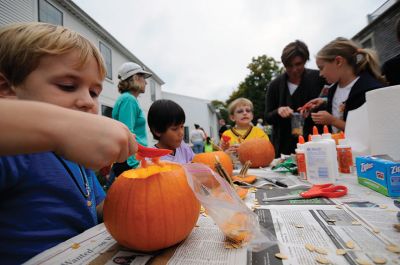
x: 379, y: 173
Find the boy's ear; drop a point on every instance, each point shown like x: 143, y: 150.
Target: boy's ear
x: 6, y: 90
x: 232, y: 118
x: 157, y: 134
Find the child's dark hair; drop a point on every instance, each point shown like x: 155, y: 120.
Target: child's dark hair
x: 164, y: 113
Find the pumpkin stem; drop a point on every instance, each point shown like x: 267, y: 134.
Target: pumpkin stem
x: 156, y: 160
x: 142, y: 160
x: 221, y: 171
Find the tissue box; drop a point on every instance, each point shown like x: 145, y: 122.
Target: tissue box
x: 379, y: 173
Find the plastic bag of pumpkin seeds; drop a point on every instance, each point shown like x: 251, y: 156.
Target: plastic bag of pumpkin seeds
x: 239, y: 224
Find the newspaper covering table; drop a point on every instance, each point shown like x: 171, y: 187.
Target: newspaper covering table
x: 360, y: 224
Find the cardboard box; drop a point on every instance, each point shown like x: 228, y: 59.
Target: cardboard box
x: 379, y: 173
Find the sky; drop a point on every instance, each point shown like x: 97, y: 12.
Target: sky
x: 201, y: 48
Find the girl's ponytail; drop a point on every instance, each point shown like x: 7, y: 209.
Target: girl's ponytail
x: 359, y: 59
x: 367, y: 60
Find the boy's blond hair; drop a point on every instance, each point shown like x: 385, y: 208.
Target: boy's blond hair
x: 23, y: 45
x: 239, y: 102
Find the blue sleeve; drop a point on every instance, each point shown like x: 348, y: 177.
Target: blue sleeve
x: 11, y: 169
x: 128, y: 111
x: 98, y: 191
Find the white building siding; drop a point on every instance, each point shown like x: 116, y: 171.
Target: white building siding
x: 17, y: 11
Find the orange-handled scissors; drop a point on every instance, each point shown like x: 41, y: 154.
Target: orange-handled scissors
x: 318, y: 190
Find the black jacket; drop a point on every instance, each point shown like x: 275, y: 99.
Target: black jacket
x: 391, y: 70
x: 278, y: 95
x: 356, y: 98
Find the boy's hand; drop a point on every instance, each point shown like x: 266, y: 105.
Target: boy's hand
x: 232, y: 149
x: 96, y: 142
x: 225, y: 142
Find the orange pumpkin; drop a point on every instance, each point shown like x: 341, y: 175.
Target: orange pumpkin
x: 151, y: 208
x: 209, y: 160
x: 258, y: 150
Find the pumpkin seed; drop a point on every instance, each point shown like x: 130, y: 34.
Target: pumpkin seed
x: 383, y: 206
x: 321, y: 250
x: 379, y: 260
x: 310, y: 247
x: 355, y: 223
x: 340, y: 251
x: 299, y: 226
x: 228, y: 245
x: 75, y: 246
x: 339, y: 206
x: 363, y: 261
x: 393, y: 248
x: 281, y: 256
x: 376, y: 230
x: 350, y: 244
x: 322, y: 260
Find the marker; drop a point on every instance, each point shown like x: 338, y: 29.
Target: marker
x: 276, y: 182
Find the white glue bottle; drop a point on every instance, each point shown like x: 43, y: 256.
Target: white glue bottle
x: 320, y: 160
x: 327, y: 136
x: 301, y: 159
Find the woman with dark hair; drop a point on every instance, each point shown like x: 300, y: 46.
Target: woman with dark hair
x: 287, y: 93
x: 166, y: 122
x: 127, y: 110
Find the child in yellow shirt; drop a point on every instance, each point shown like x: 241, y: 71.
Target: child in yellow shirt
x: 241, y: 112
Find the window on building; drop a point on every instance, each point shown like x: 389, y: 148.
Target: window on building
x: 49, y: 13
x: 153, y: 90
x: 106, y: 52
x: 186, y: 135
x: 106, y: 111
x: 368, y: 42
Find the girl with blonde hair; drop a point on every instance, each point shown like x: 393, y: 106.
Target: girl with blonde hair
x: 353, y: 71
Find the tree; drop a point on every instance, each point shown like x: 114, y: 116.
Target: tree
x: 262, y: 70
x: 221, y: 107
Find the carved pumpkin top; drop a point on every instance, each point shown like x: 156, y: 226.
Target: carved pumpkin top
x: 150, y: 170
